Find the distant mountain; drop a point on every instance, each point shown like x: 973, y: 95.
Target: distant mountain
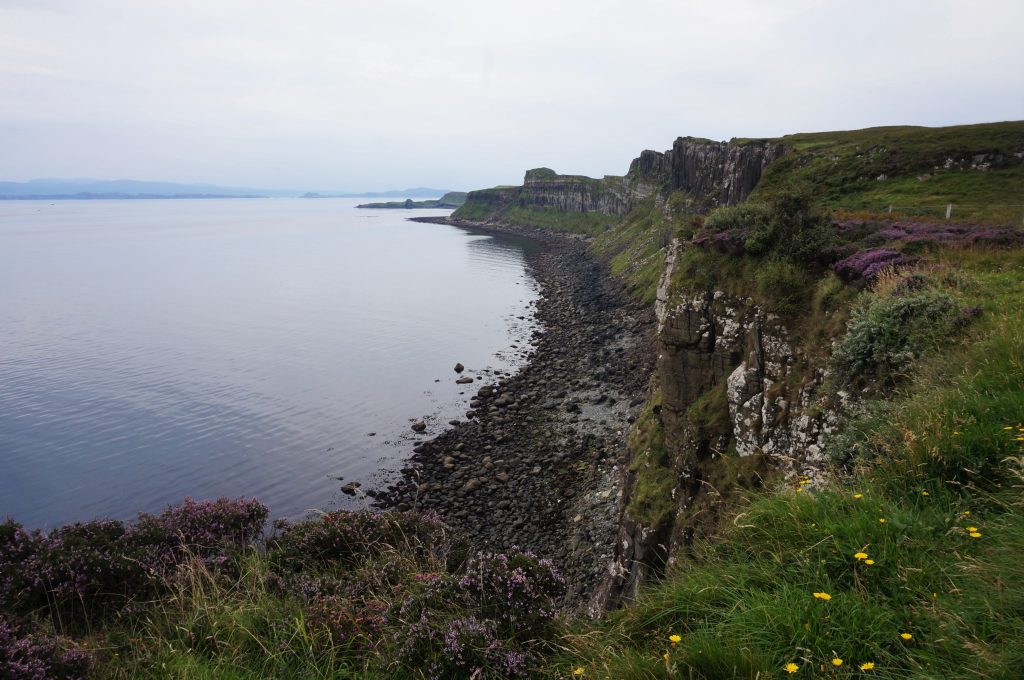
x: 418, y: 192
x: 125, y: 188
x: 130, y: 188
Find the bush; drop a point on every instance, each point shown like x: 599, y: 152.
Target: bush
x: 348, y: 537
x: 39, y: 657
x: 484, y: 623
x: 92, y: 569
x: 868, y: 264
x: 886, y: 333
x: 787, y: 228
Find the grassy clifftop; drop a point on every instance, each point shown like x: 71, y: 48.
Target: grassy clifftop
x: 917, y: 170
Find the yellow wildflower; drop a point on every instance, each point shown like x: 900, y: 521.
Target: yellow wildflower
x: 881, y: 520
x: 837, y: 662
x: 975, y: 534
x: 792, y: 667
x: 925, y: 493
x: 1008, y: 427
x: 966, y: 513
x: 675, y: 639
x: 665, y: 657
x: 869, y: 562
x: 906, y: 636
x: 578, y: 672
x: 861, y: 555
x: 867, y: 666
x: 858, y: 496
x: 823, y: 596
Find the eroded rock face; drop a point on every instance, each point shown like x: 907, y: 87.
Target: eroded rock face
x: 715, y: 173
x: 544, y: 188
x: 778, y: 418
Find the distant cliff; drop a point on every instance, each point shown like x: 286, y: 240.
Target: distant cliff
x: 711, y: 173
x: 452, y: 199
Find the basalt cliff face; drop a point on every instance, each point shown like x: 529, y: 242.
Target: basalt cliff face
x: 711, y: 173
x: 736, y: 400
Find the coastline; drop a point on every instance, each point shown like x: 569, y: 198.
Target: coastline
x: 537, y: 463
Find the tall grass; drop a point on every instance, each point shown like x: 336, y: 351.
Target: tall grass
x: 935, y: 461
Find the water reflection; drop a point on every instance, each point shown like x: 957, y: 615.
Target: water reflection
x: 151, y: 350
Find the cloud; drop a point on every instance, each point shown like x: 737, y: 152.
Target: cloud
x: 390, y: 93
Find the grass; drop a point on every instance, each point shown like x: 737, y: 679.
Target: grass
x: 843, y: 169
x: 932, y: 453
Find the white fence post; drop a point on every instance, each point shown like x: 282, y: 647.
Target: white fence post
x: 949, y: 210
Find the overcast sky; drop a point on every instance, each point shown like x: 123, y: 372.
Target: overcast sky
x: 346, y: 94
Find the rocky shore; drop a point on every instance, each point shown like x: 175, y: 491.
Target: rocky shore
x: 537, y: 461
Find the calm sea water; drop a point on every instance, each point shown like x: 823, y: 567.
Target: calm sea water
x: 152, y: 350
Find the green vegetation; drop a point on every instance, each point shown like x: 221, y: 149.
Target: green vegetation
x: 636, y: 248
x: 651, y: 502
x: 941, y: 462
x: 908, y: 168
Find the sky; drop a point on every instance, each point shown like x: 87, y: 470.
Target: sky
x: 388, y: 94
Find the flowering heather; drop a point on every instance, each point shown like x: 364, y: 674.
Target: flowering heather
x: 867, y: 264
x: 95, y: 568
x: 347, y: 537
x: 485, y: 619
x: 517, y: 589
x: 356, y: 625
x: 962, y: 233
x: 39, y: 657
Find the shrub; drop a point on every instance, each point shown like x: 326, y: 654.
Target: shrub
x: 39, y: 657
x: 787, y: 228
x: 484, y: 622
x: 867, y: 264
x: 886, y: 333
x: 92, y: 569
x: 347, y: 537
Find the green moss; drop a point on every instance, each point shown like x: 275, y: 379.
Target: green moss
x: 709, y: 414
x: 651, y: 500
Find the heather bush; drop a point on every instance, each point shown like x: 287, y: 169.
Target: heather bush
x: 486, y: 621
x: 958, y: 233
x: 354, y: 625
x: 787, y: 228
x: 346, y: 537
x: 867, y: 264
x: 887, y: 332
x: 39, y: 657
x: 89, y: 570
x: 517, y: 589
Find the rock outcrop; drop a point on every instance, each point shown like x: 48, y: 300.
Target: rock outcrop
x: 718, y: 352
x: 713, y: 173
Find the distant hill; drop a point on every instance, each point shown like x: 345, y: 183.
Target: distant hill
x: 128, y: 188
x: 452, y: 199
x: 125, y: 188
x: 418, y: 192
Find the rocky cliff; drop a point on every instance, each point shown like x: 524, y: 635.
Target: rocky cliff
x: 736, y: 398
x: 710, y: 173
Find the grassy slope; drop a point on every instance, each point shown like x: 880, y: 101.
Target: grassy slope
x: 937, y: 451
x: 842, y: 169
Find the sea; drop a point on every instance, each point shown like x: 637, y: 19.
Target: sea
x: 152, y: 350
